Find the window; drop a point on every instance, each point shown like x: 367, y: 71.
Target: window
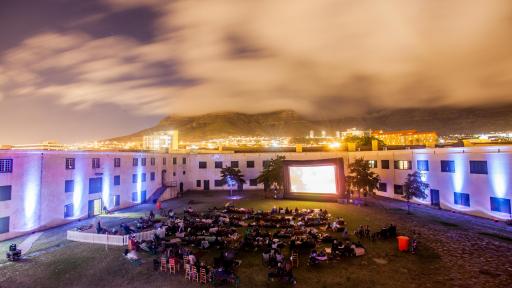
x: 202, y: 165
x: 135, y: 197
x: 117, y: 200
x: 234, y: 164
x: 117, y: 162
x: 135, y: 162
x: 95, y: 185
x: 143, y: 161
x: 250, y: 164
x: 461, y: 199
x: 383, y: 187
x: 384, y: 164
x: 174, y: 160
x: 152, y: 176
x: 164, y: 161
x: 5, y: 192
x: 198, y: 183
x: 399, y: 190
x: 134, y: 178
x: 218, y: 164
x: 70, y: 163
x: 403, y: 165
x: 95, y: 163
x: 117, y: 180
x: 266, y: 163
x: 422, y: 165
x: 69, y: 186
x: 184, y: 172
x: 143, y: 176
x: 4, y: 225
x: 372, y: 163
x: 68, y: 210
x: 500, y: 205
x: 218, y: 183
x: 478, y: 167
x: 448, y: 166
x: 253, y: 182
x: 184, y: 161
x: 152, y: 161
x: 5, y: 165
x: 173, y: 173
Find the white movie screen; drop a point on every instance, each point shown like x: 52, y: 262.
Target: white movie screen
x: 313, y: 179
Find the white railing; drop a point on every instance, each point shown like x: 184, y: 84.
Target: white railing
x: 116, y: 240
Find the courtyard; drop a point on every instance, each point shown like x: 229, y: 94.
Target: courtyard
x: 454, y: 250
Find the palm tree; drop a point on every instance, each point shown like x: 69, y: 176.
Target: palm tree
x: 231, y: 176
x: 361, y: 178
x: 414, y: 187
x: 272, y: 174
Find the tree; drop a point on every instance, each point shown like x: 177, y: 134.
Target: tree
x: 361, y: 178
x: 414, y: 187
x: 231, y: 176
x: 272, y: 174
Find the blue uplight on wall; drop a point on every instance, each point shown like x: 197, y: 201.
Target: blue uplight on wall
x: 78, y: 193
x: 499, y: 169
x: 31, y: 196
x: 458, y: 177
x: 139, y: 183
x: 105, y: 193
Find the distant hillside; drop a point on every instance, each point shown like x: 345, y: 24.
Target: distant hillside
x: 289, y: 123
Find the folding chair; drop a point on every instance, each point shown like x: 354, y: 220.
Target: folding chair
x: 202, y: 276
x: 172, y: 266
x: 163, y: 264
x: 188, y: 272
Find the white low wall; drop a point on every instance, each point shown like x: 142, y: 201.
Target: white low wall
x: 106, y: 239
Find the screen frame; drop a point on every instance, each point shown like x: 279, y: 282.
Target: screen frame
x: 338, y: 173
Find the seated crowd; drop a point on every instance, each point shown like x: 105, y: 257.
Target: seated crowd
x: 281, y: 234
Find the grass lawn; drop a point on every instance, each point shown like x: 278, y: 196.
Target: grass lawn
x: 61, y: 263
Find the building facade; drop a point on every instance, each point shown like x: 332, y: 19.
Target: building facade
x: 162, y: 141
x: 41, y: 189
x: 406, y: 138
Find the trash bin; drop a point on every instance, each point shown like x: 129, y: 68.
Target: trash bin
x: 403, y: 243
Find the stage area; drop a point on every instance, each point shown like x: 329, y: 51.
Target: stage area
x: 451, y: 247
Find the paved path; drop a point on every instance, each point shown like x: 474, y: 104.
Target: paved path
x: 27, y: 243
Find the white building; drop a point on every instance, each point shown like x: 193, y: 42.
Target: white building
x: 41, y: 189
x: 161, y: 141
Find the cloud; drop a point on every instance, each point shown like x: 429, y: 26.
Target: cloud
x: 324, y: 58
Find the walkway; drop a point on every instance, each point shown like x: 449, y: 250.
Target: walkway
x: 27, y: 243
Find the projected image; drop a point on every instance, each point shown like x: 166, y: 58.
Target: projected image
x: 313, y: 179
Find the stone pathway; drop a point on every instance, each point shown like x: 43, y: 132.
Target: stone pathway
x: 27, y: 244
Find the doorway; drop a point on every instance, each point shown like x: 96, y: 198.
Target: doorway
x: 94, y: 207
x: 434, y: 198
x: 143, y: 196
x: 206, y: 185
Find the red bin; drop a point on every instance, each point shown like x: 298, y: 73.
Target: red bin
x: 403, y: 243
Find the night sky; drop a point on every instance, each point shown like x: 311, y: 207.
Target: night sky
x: 90, y: 69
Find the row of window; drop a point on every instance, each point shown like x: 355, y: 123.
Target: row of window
x: 96, y: 183
x: 70, y: 162
x: 175, y: 161
x: 475, y: 167
x: 463, y: 199
x: 234, y: 164
x: 219, y: 183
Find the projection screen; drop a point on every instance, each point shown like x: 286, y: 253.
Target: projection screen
x: 313, y: 179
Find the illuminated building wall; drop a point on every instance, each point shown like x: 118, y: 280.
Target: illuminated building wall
x: 407, y: 137
x: 38, y: 197
x: 467, y: 179
x: 497, y: 183
x: 161, y: 141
